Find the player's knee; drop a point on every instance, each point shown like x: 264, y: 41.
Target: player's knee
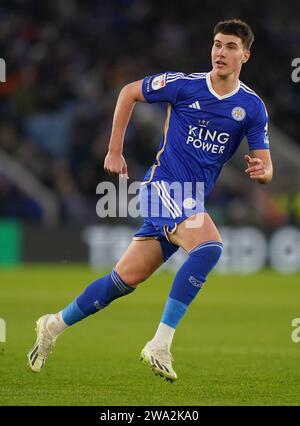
x: 134, y: 277
x: 207, y: 255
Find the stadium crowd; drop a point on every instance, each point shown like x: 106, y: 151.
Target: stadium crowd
x: 67, y: 61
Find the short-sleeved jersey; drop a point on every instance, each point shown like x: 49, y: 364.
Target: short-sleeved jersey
x: 203, y: 130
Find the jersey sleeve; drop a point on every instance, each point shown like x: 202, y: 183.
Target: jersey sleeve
x: 163, y: 87
x: 257, y: 132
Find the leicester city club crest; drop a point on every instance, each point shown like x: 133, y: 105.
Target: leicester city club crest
x: 238, y: 113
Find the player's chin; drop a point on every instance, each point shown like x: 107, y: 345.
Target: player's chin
x: 221, y: 72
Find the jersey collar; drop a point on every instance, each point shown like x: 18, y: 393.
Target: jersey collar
x: 210, y: 88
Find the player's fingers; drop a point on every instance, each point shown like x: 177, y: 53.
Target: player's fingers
x: 256, y: 175
x: 254, y: 168
x: 124, y: 171
x: 257, y: 160
x: 111, y: 171
x: 251, y: 160
x: 117, y: 173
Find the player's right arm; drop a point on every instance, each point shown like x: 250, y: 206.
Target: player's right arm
x: 164, y: 87
x: 130, y: 94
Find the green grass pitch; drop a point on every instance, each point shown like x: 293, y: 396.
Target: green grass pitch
x: 233, y: 347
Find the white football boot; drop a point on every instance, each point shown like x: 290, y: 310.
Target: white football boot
x: 159, y: 359
x: 43, y: 346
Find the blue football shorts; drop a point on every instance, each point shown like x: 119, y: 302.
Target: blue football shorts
x: 164, y: 205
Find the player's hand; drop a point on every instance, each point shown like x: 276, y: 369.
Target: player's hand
x: 115, y: 165
x: 256, y: 168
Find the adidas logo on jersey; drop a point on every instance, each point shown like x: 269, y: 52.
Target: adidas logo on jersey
x: 195, y: 105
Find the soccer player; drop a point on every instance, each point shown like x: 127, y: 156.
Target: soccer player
x: 208, y: 116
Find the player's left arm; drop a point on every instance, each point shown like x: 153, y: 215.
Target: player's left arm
x: 259, y: 162
x: 260, y: 167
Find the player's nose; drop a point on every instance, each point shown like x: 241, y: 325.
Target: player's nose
x: 222, y: 52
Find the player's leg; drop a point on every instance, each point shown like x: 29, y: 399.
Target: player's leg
x: 204, y: 245
x: 139, y: 261
x: 194, y: 231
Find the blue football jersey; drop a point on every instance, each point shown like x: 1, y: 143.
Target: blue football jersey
x: 203, y: 130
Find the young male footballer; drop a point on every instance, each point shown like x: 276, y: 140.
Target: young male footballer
x: 208, y: 116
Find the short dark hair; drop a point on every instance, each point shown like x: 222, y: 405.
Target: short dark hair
x: 238, y: 28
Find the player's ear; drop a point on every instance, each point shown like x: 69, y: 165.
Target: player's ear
x: 246, y: 56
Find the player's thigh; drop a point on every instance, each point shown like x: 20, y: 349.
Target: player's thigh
x: 194, y: 231
x: 139, y: 261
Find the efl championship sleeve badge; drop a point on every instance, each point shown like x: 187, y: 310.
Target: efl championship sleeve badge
x: 158, y: 82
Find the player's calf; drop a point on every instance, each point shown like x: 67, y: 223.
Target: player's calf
x: 97, y: 296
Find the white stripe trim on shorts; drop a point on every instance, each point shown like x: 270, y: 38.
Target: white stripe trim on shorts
x: 164, y: 199
x: 172, y: 201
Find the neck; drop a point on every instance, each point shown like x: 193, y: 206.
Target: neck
x: 223, y: 84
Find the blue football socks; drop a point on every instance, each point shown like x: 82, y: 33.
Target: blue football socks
x: 187, y: 283
x: 189, y: 280
x: 95, y: 297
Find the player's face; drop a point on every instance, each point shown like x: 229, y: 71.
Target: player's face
x: 228, y: 55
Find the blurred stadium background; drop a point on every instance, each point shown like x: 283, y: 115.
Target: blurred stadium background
x: 66, y: 62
